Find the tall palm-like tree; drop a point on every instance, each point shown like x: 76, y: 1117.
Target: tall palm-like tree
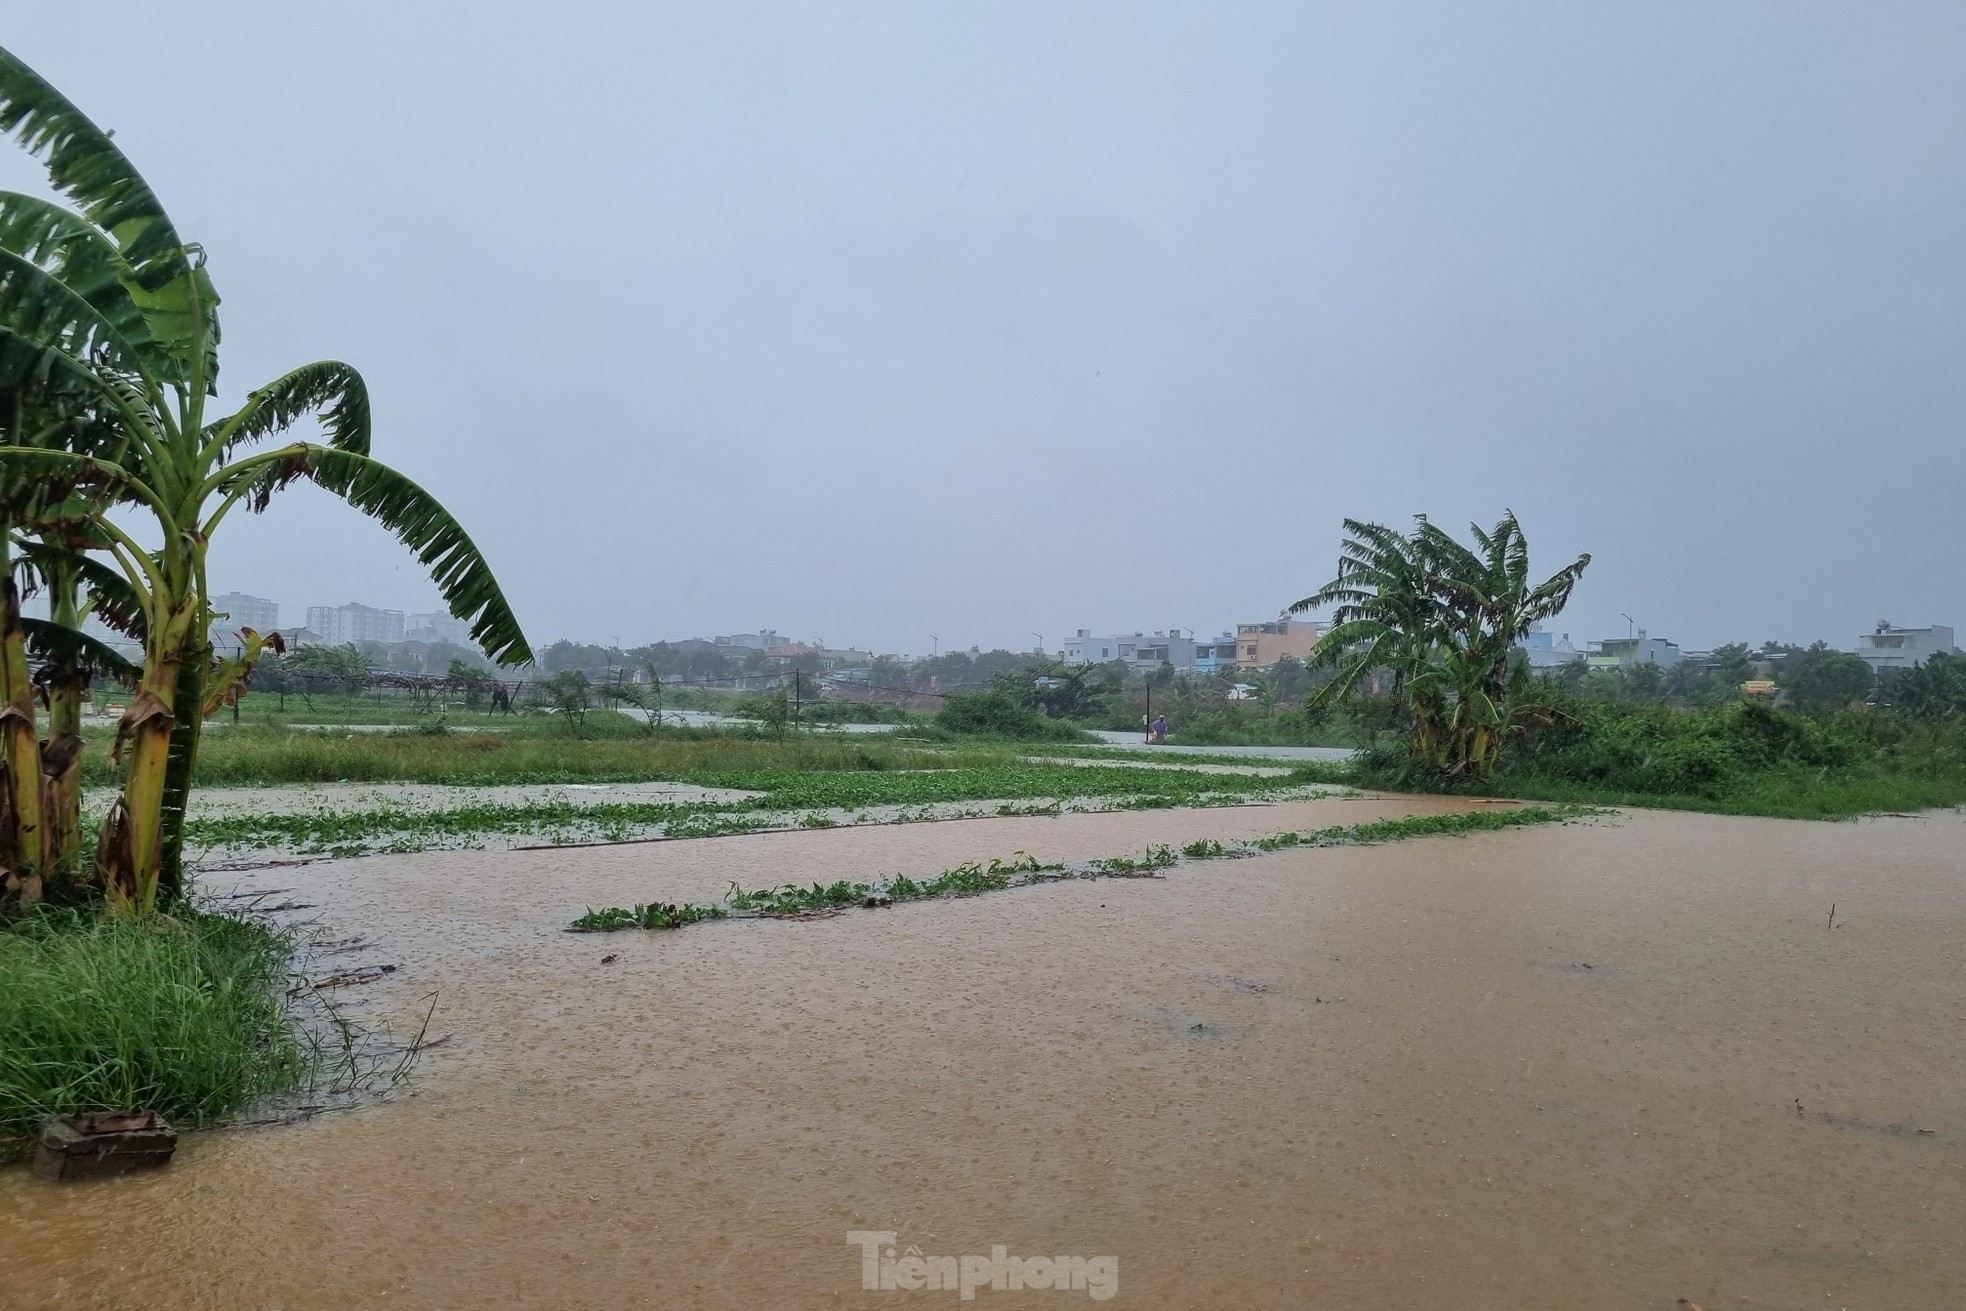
x: 1442, y: 618
x: 107, y: 298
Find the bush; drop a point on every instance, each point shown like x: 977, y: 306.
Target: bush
x: 998, y: 713
x: 1693, y: 753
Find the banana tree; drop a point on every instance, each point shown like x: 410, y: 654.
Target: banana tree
x: 43, y: 534
x: 1443, y: 619
x: 68, y: 661
x: 107, y: 297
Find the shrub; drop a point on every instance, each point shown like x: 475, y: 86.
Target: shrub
x: 998, y: 713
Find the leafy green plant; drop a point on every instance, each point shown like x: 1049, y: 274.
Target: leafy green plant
x: 653, y: 915
x: 1157, y: 858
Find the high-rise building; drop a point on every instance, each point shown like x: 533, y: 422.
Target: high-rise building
x: 336, y: 624
x: 242, y: 611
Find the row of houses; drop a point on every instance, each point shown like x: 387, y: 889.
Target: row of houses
x: 1887, y: 647
x: 1251, y: 646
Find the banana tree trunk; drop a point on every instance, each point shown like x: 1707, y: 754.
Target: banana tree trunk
x: 130, y: 854
x: 189, y: 715
x: 24, y: 841
x: 61, y: 760
x: 61, y: 754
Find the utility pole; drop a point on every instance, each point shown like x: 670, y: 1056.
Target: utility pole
x: 797, y: 703
x: 1148, y: 735
x: 934, y: 646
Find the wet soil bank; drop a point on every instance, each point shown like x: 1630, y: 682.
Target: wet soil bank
x: 1600, y: 1065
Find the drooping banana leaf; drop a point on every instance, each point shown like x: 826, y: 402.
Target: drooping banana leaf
x: 420, y: 522
x: 70, y: 648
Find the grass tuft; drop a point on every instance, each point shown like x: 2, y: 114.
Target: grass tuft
x: 187, y: 1015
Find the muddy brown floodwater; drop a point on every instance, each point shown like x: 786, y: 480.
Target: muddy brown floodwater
x: 1602, y: 1065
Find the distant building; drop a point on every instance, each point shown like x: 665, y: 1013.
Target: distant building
x: 787, y: 652
x: 1085, y: 649
x: 437, y: 626
x: 762, y: 640
x: 1145, y: 652
x: 843, y: 657
x: 1891, y: 647
x: 1545, y: 651
x: 1262, y: 645
x: 1215, y: 656
x: 242, y: 611
x: 1629, y: 652
x: 355, y: 623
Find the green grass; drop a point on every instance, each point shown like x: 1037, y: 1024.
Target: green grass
x: 998, y: 781
x: 530, y: 751
x: 392, y: 707
x: 1023, y: 869
x: 1775, y: 794
x: 188, y: 1016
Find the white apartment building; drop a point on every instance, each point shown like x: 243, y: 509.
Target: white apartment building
x: 337, y: 624
x: 1892, y: 647
x: 242, y: 611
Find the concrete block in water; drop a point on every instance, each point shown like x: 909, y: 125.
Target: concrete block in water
x: 94, y: 1146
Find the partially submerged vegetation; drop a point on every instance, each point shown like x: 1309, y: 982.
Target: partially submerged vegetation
x: 1022, y: 869
x: 654, y: 915
x: 781, y: 798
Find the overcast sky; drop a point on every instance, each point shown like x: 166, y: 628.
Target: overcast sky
x: 874, y: 321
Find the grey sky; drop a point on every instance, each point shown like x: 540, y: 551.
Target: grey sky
x: 871, y: 321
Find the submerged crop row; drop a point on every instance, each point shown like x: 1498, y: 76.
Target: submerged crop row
x: 783, y: 799
x: 1023, y: 869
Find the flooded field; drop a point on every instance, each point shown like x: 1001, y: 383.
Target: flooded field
x: 1607, y: 1065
